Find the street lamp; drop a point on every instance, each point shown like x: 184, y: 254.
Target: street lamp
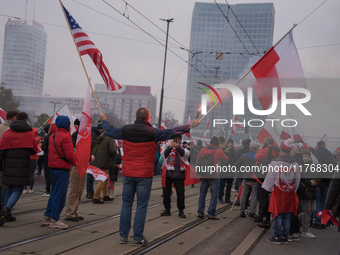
x: 162, y: 91
x: 54, y: 103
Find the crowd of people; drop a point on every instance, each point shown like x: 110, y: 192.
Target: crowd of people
x: 291, y: 196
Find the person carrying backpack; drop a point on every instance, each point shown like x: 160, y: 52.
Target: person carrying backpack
x: 208, y: 156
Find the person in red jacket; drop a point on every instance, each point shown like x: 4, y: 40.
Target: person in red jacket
x: 61, y: 157
x: 33, y: 165
x: 264, y: 156
x: 212, y: 182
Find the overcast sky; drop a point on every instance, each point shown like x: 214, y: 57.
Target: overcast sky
x: 134, y: 58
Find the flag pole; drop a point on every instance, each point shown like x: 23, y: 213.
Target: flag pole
x: 62, y: 7
x: 51, y: 116
x: 244, y: 75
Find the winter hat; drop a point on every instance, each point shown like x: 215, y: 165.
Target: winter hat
x: 99, y: 125
x: 297, y: 147
x: 76, y: 122
x: 214, y: 141
x: 63, y: 122
x: 253, y: 144
x: 287, y: 145
x: 230, y: 140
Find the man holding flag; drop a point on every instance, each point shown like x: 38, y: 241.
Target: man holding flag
x: 140, y: 144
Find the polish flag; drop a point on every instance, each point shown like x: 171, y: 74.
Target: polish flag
x: 267, y: 131
x: 233, y: 128
x: 297, y: 136
x: 285, y: 134
x: 239, y: 144
x: 64, y: 110
x: 83, y: 144
x: 280, y: 61
x: 98, y: 174
x: 337, y: 150
x: 2, y: 115
x: 163, y: 125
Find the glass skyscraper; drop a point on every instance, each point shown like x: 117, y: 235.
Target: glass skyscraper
x: 221, y: 55
x: 23, y: 62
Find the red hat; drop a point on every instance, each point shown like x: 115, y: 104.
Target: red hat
x: 287, y: 145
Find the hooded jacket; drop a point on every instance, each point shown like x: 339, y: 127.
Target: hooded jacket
x: 62, y: 141
x: 104, y: 151
x: 16, y: 146
x: 217, y: 155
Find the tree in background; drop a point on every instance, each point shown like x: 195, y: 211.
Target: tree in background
x: 169, y: 118
x: 111, y: 117
x: 40, y: 120
x: 7, y: 103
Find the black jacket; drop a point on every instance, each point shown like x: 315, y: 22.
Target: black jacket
x: 16, y: 161
x: 247, y: 159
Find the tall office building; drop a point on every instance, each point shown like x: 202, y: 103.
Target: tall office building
x: 23, y: 62
x: 222, y: 55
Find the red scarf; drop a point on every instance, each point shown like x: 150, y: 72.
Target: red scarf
x: 14, y: 140
x: 170, y: 161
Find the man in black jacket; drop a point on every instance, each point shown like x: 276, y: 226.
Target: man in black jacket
x: 47, y: 170
x: 16, y: 146
x: 175, y: 160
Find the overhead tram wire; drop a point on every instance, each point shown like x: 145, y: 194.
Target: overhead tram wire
x: 157, y: 40
x: 232, y: 28
x: 242, y: 26
x: 88, y: 31
x: 185, y: 48
x: 312, y: 12
x: 115, y: 19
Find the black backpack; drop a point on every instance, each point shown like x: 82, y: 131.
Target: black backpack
x: 205, y: 165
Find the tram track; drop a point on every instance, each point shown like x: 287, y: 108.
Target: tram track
x: 10, y: 246
x: 165, y: 238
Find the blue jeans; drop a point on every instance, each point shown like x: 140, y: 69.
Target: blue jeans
x: 3, y: 193
x: 89, y: 183
x: 321, y: 194
x: 281, y: 225
x: 56, y: 202
x: 131, y: 186
x: 214, y: 185
x: 12, y: 195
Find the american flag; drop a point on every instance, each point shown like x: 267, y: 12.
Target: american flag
x: 86, y: 46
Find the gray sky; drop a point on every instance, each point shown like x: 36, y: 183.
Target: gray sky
x: 131, y: 62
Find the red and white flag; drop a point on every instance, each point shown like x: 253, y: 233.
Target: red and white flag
x: 297, y: 136
x: 280, y: 61
x: 98, y: 174
x: 83, y: 144
x: 337, y: 150
x: 163, y: 126
x: 64, y: 110
x: 2, y: 115
x: 267, y: 131
x: 235, y: 124
x: 285, y: 134
x: 86, y: 46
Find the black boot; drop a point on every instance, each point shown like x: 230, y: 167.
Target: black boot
x: 97, y: 201
x: 89, y: 195
x: 181, y: 214
x: 4, y: 214
x: 166, y: 212
x: 11, y: 217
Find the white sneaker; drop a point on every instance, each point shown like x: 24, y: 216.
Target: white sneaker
x: 308, y: 235
x: 58, y: 224
x: 31, y: 191
x: 24, y: 191
x: 45, y: 194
